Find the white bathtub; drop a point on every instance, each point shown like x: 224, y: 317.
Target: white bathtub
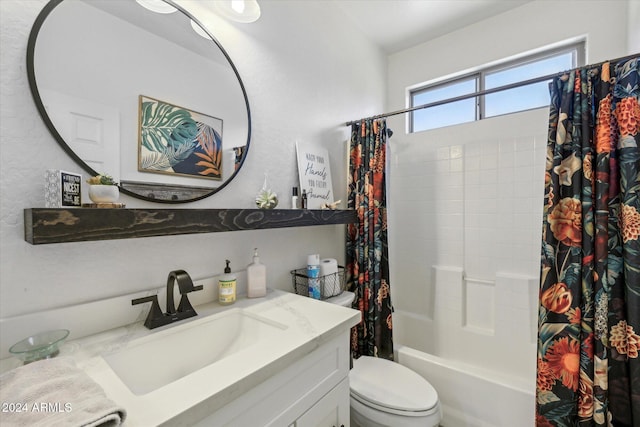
x: 475, y: 343
x: 471, y: 397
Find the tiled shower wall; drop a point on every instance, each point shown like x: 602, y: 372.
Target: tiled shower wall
x: 465, y: 215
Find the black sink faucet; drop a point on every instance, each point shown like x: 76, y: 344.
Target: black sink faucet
x: 156, y: 317
x: 185, y: 285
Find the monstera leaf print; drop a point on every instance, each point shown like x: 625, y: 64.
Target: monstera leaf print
x: 176, y: 140
x: 155, y: 161
x: 211, y: 143
x: 168, y: 158
x: 163, y: 125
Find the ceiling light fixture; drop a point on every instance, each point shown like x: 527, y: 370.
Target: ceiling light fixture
x: 158, y: 6
x: 238, y: 6
x: 198, y: 29
x: 244, y: 11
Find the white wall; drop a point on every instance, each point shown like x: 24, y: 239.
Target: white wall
x: 532, y: 26
x: 303, y: 82
x: 466, y: 201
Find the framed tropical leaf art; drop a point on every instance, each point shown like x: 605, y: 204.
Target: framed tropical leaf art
x: 177, y: 141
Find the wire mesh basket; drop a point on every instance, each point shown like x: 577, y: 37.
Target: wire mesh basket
x: 330, y: 285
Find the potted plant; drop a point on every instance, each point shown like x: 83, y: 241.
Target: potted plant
x: 103, y: 189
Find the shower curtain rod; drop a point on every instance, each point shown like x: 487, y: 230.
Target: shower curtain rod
x: 486, y: 91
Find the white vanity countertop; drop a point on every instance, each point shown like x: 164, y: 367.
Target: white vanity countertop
x: 309, y: 323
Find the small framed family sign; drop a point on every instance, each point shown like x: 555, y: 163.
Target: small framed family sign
x: 314, y: 173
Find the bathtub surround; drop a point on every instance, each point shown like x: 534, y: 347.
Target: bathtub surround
x: 367, y: 246
x: 474, y: 396
x: 464, y: 231
x: 461, y: 340
x: 589, y: 320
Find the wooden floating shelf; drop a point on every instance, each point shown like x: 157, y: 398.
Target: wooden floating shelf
x: 60, y: 225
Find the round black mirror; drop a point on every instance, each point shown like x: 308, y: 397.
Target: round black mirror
x: 150, y: 98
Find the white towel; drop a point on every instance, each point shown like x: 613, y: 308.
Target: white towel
x: 54, y: 392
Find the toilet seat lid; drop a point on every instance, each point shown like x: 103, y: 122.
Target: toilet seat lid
x: 387, y: 384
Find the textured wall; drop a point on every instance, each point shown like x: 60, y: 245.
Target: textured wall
x: 303, y: 83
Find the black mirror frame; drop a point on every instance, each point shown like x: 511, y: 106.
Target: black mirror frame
x: 31, y: 44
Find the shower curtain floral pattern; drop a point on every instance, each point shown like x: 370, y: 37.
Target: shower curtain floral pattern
x: 367, y: 250
x: 588, y: 370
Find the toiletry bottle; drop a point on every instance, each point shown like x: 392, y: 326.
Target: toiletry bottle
x: 313, y: 273
x: 294, y: 198
x: 303, y: 200
x: 227, y: 286
x: 256, y: 277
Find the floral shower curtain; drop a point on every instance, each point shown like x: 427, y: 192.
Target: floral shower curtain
x: 588, y: 370
x: 367, y: 250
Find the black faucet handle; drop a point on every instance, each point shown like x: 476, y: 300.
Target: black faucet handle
x: 185, y: 305
x: 150, y: 298
x: 155, y: 314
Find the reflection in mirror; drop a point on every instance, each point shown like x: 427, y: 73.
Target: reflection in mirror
x: 140, y: 96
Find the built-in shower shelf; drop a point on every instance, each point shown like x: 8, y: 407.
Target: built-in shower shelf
x: 50, y: 225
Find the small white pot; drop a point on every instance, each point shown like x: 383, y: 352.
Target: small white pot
x: 104, y: 193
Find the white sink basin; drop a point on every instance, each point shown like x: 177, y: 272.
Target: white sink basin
x: 149, y: 363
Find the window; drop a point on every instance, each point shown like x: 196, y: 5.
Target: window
x: 520, y: 98
x: 447, y: 114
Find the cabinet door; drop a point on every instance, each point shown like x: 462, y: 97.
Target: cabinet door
x: 330, y: 411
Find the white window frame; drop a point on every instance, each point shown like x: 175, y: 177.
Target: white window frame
x: 577, y: 48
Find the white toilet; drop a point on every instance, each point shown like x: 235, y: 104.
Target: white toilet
x: 387, y: 394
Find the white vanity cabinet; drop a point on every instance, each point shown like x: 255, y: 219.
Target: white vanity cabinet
x: 331, y: 411
x: 312, y: 392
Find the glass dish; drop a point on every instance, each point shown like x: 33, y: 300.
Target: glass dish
x: 40, y: 346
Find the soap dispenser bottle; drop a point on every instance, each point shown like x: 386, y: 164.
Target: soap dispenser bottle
x: 256, y: 277
x: 227, y: 286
